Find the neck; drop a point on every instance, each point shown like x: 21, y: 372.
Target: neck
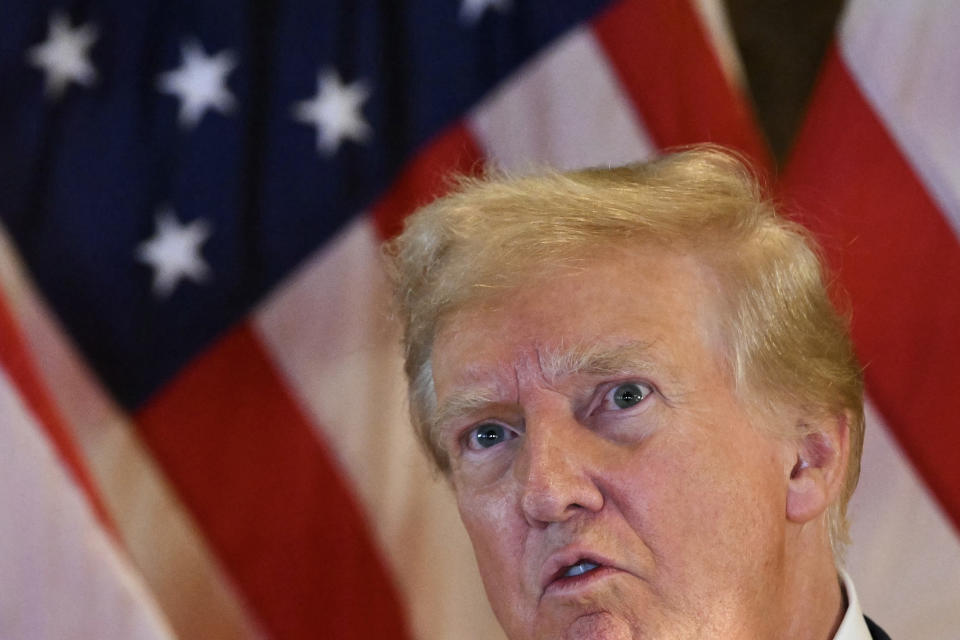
x: 814, y: 601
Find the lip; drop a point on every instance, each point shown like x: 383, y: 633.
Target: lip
x: 551, y: 577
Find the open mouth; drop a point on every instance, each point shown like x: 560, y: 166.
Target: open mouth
x: 575, y: 573
x: 579, y: 568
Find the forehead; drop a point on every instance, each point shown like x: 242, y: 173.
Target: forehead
x: 661, y: 299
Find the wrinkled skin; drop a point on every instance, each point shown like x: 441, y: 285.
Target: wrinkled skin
x: 639, y: 458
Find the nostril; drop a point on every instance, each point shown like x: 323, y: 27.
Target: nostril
x: 553, y: 471
x: 559, y: 497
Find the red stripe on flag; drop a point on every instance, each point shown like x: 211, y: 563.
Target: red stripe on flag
x: 898, y: 260
x: 18, y: 364
x: 424, y: 178
x: 673, y: 77
x: 270, y: 498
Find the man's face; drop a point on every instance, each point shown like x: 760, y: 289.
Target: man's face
x: 611, y: 482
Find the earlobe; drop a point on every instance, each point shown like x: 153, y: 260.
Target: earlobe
x: 817, y: 475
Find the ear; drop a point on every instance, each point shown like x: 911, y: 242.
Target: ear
x: 819, y: 469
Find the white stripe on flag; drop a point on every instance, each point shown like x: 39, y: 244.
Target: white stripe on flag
x: 60, y: 574
x: 904, y: 58
x: 158, y: 533
x: 713, y: 17
x: 565, y: 109
x: 326, y: 328
x: 905, y: 557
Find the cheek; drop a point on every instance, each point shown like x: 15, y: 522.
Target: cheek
x: 689, y: 502
x: 497, y: 534
x: 495, y: 531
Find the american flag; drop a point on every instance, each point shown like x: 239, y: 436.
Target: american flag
x: 876, y: 170
x: 204, y: 424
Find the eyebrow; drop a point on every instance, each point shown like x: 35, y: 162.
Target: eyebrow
x: 556, y: 363
x: 461, y: 404
x: 633, y: 356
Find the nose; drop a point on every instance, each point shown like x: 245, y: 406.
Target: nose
x: 557, y: 470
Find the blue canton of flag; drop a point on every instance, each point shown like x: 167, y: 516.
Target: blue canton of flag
x: 166, y: 164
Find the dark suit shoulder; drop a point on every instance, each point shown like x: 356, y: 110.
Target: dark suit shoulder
x: 876, y: 632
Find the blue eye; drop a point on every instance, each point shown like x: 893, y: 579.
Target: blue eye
x: 489, y: 434
x: 630, y: 394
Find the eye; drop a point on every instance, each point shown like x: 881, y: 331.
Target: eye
x: 628, y: 394
x: 488, y: 434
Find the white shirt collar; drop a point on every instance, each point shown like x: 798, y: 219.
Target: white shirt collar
x: 853, y: 626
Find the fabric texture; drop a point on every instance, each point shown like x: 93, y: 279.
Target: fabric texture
x: 875, y: 631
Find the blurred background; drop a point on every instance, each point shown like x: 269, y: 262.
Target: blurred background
x: 202, y: 417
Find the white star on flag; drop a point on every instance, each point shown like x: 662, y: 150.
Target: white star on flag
x: 472, y: 10
x: 335, y: 111
x: 174, y: 252
x: 200, y: 83
x: 63, y: 56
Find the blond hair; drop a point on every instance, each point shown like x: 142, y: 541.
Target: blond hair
x: 784, y: 340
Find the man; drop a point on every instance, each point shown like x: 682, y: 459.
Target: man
x: 648, y: 409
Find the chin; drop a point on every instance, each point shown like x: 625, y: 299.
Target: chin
x: 599, y: 626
